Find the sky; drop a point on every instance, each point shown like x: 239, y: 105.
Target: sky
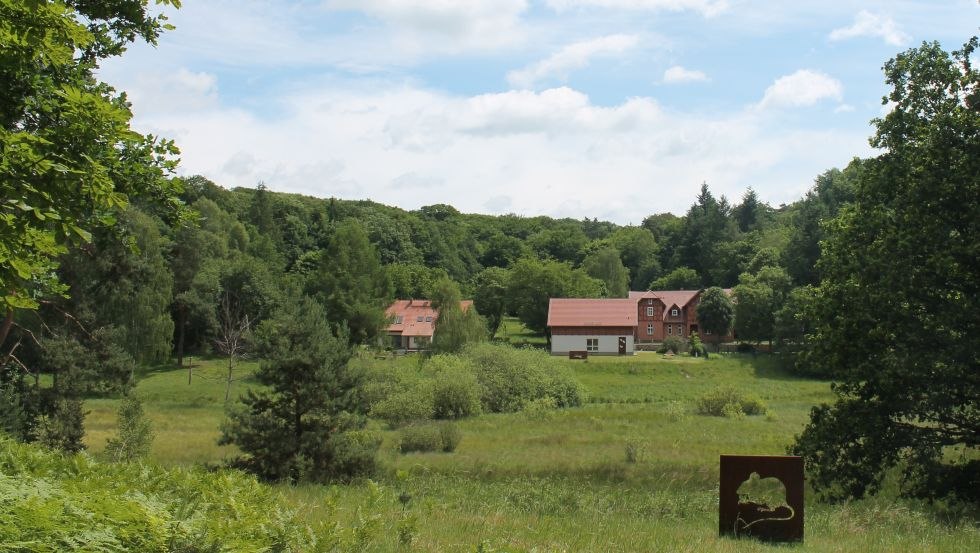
x: 614, y: 109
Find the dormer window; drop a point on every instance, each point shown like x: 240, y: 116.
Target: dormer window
x: 419, y: 319
x: 428, y: 319
x: 674, y: 312
x: 398, y: 319
x: 649, y: 311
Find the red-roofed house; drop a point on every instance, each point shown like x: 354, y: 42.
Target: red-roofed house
x: 597, y: 326
x: 665, y: 313
x: 615, y: 326
x: 413, y: 323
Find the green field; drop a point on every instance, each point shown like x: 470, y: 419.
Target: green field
x: 560, y: 481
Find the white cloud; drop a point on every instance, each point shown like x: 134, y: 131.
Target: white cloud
x: 678, y: 74
x: 551, y: 152
x: 872, y: 25
x: 570, y: 57
x: 469, y: 24
x: 178, y: 90
x: 802, y: 88
x: 708, y: 8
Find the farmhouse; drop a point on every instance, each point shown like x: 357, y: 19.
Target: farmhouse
x: 616, y: 326
x: 665, y: 313
x: 413, y: 323
x: 603, y: 326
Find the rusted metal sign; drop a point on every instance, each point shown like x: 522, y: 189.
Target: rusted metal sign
x: 761, y: 496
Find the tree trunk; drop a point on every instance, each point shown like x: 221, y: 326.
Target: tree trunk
x: 181, y: 321
x: 8, y: 322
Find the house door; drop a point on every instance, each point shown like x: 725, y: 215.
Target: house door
x: 622, y: 345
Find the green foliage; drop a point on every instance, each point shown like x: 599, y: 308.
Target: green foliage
x: 70, y: 160
x: 490, y: 295
x: 896, y: 312
x: 753, y: 312
x: 56, y: 503
x: 605, y: 265
x: 135, y: 434
x: 695, y: 347
x: 413, y: 403
x: 681, y: 278
x: 307, y: 423
x: 716, y: 312
x: 454, y: 327
x: 512, y: 377
x: 533, y: 283
x: 729, y: 402
x: 351, y: 283
x: 455, y: 390
x: 672, y: 344
x: 426, y: 437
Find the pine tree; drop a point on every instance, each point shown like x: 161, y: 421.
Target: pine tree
x: 307, y: 421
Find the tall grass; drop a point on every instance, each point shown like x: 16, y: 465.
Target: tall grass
x: 563, y: 482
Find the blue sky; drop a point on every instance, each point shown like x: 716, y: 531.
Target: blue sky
x: 583, y: 108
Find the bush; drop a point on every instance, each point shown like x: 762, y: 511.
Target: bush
x: 412, y: 404
x: 672, y: 344
x: 450, y: 436
x: 429, y: 437
x: 542, y: 408
x: 455, y: 389
x: 512, y: 377
x: 728, y: 402
x: 135, y: 434
x: 696, y: 347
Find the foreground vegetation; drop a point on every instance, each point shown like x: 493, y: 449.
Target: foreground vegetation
x: 565, y: 479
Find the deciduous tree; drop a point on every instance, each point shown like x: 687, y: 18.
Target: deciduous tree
x: 896, y: 311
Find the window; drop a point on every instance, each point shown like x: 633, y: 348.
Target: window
x: 706, y: 331
x: 674, y: 312
x: 680, y: 330
x: 650, y: 301
x: 649, y: 330
x: 670, y: 329
x: 419, y: 319
x: 428, y: 319
x: 591, y: 344
x: 398, y: 319
x: 649, y: 311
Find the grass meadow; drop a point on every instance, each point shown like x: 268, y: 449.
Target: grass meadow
x: 561, y: 480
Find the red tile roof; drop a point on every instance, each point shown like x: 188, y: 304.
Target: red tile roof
x: 408, y: 313
x: 591, y: 312
x: 680, y: 298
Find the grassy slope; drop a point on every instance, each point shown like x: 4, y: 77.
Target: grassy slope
x: 561, y: 482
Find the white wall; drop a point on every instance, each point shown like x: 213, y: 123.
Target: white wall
x: 562, y: 344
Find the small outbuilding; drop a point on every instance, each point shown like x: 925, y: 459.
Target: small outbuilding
x: 595, y: 326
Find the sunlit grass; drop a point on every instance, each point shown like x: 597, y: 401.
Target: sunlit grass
x: 561, y: 481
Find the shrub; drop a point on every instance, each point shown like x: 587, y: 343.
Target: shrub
x: 672, y: 344
x: 412, y: 404
x: 429, y: 437
x: 455, y: 389
x: 450, y: 436
x: 135, y: 434
x: 696, y: 347
x: 675, y: 411
x: 728, y: 402
x: 512, y: 377
x: 542, y: 408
